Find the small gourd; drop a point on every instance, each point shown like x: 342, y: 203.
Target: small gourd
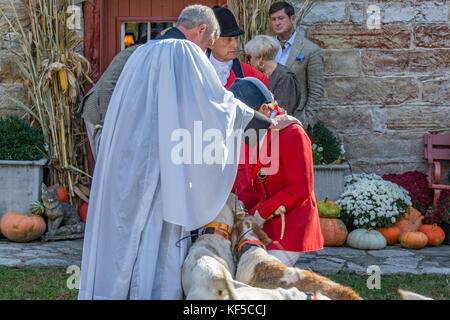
x: 328, y: 209
x: 37, y: 208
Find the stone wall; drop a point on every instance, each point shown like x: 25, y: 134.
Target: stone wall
x: 10, y: 80
x: 10, y: 76
x: 386, y: 87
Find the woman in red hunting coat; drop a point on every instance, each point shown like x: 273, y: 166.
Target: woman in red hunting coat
x: 292, y: 186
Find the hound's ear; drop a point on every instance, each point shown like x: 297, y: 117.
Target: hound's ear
x: 263, y: 237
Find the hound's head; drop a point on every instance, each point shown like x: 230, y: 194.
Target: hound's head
x: 246, y: 228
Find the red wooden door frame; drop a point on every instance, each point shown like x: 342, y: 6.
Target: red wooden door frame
x: 95, y: 33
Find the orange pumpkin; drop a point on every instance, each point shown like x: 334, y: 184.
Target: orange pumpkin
x: 20, y: 227
x: 391, y: 234
x: 334, y: 232
x: 63, y: 196
x: 83, y: 211
x: 434, y: 233
x: 413, y: 240
x: 411, y: 221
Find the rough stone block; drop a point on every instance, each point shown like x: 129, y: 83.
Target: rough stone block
x: 382, y: 166
x: 357, y: 12
x: 389, y: 145
x: 347, y: 36
x: 418, y: 118
x: 393, y: 11
x: 9, y: 72
x: 432, y: 35
x: 386, y: 62
x: 326, y: 12
x: 357, y: 90
x: 7, y: 106
x: 431, y: 11
x: 346, y: 62
x: 436, y: 90
x: 346, y: 118
x: 8, y: 262
x: 386, y: 253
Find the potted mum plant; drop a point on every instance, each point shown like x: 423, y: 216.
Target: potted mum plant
x: 329, y: 163
x: 22, y: 159
x: 368, y: 201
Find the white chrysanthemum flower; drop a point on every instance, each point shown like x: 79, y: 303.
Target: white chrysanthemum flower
x: 367, y: 197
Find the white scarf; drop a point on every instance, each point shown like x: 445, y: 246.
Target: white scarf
x: 223, y: 69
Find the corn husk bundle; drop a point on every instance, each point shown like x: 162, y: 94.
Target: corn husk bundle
x: 53, y: 74
x: 253, y: 17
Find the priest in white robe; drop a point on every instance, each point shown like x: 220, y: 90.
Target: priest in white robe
x: 143, y: 200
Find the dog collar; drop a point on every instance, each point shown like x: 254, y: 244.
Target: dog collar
x: 221, y: 229
x: 247, y: 244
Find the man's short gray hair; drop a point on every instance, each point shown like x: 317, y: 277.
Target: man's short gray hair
x: 197, y: 14
x: 262, y: 46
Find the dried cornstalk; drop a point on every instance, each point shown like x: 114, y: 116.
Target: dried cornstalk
x: 53, y: 73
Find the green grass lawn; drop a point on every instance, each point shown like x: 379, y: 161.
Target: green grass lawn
x: 431, y: 285
x: 51, y: 284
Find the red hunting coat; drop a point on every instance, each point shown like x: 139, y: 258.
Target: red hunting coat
x: 248, y: 71
x: 292, y: 186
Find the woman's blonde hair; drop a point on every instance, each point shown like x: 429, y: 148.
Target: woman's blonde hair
x: 262, y: 46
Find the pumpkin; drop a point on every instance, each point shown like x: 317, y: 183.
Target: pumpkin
x: 63, y: 196
x: 20, y: 227
x: 411, y: 221
x: 391, y: 234
x: 413, y: 240
x: 328, y: 209
x: 369, y: 239
x: 334, y: 232
x: 434, y: 233
x: 83, y: 212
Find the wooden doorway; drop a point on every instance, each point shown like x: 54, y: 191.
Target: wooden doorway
x: 105, y: 21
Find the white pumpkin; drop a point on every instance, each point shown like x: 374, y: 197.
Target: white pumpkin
x: 366, y: 239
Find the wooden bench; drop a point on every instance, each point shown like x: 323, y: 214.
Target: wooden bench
x: 437, y: 147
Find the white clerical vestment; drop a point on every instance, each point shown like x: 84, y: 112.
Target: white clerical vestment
x: 143, y: 201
